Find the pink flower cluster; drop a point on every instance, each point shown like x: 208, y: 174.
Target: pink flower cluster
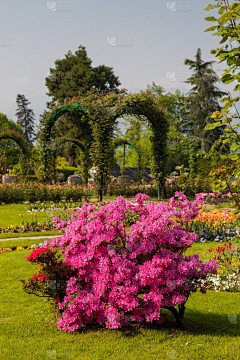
x: 206, y: 196
x: 124, y: 274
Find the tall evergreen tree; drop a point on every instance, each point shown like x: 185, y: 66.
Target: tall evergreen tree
x: 203, y: 101
x: 25, y: 118
x: 72, y: 75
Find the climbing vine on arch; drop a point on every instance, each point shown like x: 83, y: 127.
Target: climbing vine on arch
x: 119, y: 142
x: 19, y: 140
x: 102, y: 112
x: 84, y: 148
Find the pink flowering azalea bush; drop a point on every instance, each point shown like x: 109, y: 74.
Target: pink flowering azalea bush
x: 129, y: 274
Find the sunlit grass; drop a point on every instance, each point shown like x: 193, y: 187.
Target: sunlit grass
x: 28, y: 331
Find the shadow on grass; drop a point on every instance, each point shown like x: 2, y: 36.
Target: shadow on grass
x: 195, y: 323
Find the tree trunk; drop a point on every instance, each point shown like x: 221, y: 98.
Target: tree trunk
x: 178, y: 315
x: 71, y: 161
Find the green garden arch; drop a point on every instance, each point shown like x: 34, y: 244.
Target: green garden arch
x: 120, y: 142
x: 84, y: 149
x: 102, y: 112
x: 76, y: 142
x: 18, y: 139
x: 48, y: 127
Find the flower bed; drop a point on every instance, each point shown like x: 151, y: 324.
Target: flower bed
x: 20, y: 248
x: 216, y: 198
x: 215, y: 225
x: 228, y: 273
x: 189, y: 187
x: 20, y: 193
x: 115, y: 275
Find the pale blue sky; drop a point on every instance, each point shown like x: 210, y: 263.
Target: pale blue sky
x: 162, y: 34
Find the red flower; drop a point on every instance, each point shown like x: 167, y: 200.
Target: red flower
x: 56, y: 301
x: 34, y: 278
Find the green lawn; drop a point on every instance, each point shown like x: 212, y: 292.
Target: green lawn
x: 28, y: 331
x: 30, y: 234
x: 10, y: 214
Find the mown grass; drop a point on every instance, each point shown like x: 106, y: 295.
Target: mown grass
x: 30, y: 234
x: 28, y: 331
x: 10, y: 214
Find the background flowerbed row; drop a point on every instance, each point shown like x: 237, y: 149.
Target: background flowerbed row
x: 20, y: 193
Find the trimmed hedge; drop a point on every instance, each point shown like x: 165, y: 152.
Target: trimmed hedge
x: 20, y: 193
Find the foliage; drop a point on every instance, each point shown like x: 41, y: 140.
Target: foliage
x: 19, y: 193
x: 175, y: 106
x: 132, y: 190
x: 102, y: 113
x: 228, y: 29
x: 228, y: 273
x: 190, y: 187
x: 25, y: 118
x: 111, y: 283
x: 203, y: 100
x: 61, y: 161
x: 66, y: 170
x: 138, y: 132
x: 74, y: 74
x: 215, y: 225
x: 50, y: 281
x: 9, y: 148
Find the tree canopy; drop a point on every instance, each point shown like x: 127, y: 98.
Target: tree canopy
x: 75, y: 74
x: 9, y: 148
x: 203, y: 99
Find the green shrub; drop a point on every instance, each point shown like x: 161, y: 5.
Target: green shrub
x: 66, y: 170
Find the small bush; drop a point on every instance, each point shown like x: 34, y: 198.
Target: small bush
x: 122, y: 275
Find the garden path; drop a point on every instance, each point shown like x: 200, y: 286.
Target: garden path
x: 32, y: 238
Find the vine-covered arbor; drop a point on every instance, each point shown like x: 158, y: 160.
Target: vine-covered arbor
x: 19, y: 140
x: 120, y: 142
x: 85, y: 151
x: 102, y: 112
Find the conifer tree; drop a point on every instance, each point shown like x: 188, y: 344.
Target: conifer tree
x: 25, y: 118
x: 203, y: 101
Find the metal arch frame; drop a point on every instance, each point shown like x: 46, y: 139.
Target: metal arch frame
x: 76, y: 142
x: 61, y: 112
x: 50, y: 124
x: 125, y: 142
x: 2, y: 137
